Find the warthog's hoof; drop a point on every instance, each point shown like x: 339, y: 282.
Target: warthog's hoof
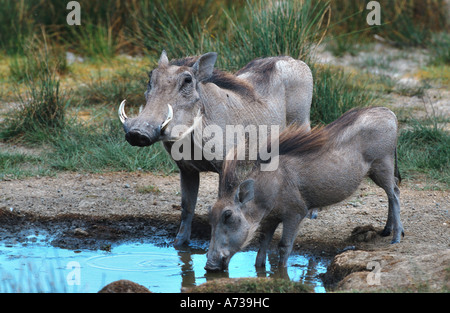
x: 396, y: 239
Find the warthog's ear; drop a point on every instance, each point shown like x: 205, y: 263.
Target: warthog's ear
x: 163, y: 59
x: 204, y: 66
x: 245, y: 191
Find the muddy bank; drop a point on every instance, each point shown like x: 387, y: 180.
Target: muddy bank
x: 93, y: 211
x: 77, y: 231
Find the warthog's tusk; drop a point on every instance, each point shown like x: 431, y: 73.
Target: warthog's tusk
x: 122, y: 116
x: 195, y: 124
x: 141, y: 108
x: 169, y: 117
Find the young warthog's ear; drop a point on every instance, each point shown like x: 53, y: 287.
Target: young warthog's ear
x: 245, y: 192
x: 163, y: 59
x: 204, y: 66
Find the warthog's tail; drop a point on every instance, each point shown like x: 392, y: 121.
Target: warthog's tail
x: 396, y: 171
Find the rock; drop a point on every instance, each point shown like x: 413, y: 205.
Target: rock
x: 383, y: 270
x: 80, y: 232
x: 364, y: 233
x: 124, y: 286
x: 72, y: 58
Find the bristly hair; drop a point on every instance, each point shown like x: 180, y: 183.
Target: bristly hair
x: 298, y: 140
x: 222, y: 79
x: 295, y: 140
x: 229, y: 180
x: 233, y: 172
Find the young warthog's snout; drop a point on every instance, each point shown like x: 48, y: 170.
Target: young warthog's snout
x: 217, y: 263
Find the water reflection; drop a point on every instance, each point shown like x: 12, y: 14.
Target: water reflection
x: 187, y: 265
x: 305, y: 269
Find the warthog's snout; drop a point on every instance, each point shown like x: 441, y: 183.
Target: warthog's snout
x: 139, y: 132
x: 217, y: 263
x: 213, y: 267
x: 216, y: 267
x: 140, y: 138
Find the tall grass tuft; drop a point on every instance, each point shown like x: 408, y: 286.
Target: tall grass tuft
x: 269, y: 28
x: 39, y: 59
x: 42, y: 105
x: 279, y: 28
x: 335, y: 93
x: 95, y: 41
x: 41, y: 108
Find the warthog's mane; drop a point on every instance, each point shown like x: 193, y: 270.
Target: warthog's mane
x: 294, y: 140
x: 220, y: 78
x: 298, y: 140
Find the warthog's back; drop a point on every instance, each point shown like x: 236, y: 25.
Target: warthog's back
x: 355, y: 141
x: 282, y: 78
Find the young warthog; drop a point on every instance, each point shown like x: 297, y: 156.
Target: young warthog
x: 316, y: 169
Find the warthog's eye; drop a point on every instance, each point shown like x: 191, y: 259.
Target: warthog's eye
x: 186, y: 83
x: 188, y: 79
x: 227, y: 215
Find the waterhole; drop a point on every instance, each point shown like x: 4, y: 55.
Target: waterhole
x: 36, y: 266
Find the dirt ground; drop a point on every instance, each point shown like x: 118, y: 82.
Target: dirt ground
x: 94, y: 210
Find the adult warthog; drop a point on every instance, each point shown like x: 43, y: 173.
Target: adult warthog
x: 269, y: 91
x: 316, y: 169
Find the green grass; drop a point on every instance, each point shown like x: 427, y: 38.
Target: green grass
x: 122, y: 84
x: 96, y: 42
x: 252, y: 285
x: 424, y: 149
x: 287, y: 28
x: 79, y: 148
x: 15, y: 165
x: 42, y: 106
x: 404, y: 24
x: 439, y: 47
x: 335, y: 92
x: 39, y: 59
x: 104, y: 148
x: 148, y: 189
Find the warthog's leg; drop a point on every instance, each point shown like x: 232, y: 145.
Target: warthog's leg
x: 394, y: 213
x: 290, y: 230
x: 190, y: 181
x: 382, y: 173
x: 393, y: 222
x: 267, y: 230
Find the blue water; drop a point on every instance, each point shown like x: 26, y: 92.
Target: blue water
x: 39, y: 267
